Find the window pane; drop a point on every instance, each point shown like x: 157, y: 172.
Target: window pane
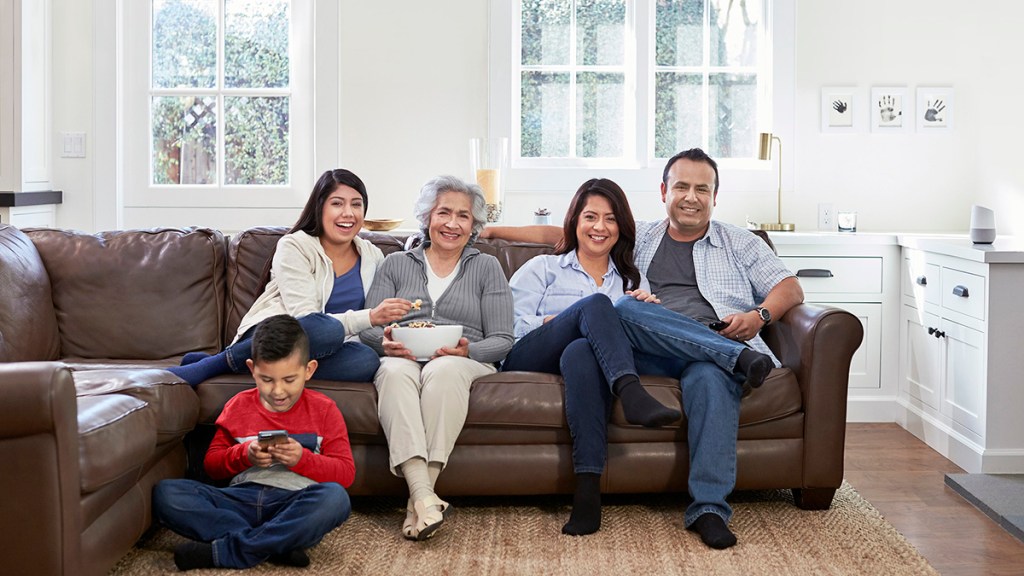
x: 600, y: 29
x: 599, y: 107
x: 184, y: 140
x: 545, y: 114
x: 545, y: 34
x: 680, y: 33
x: 734, y: 32
x: 184, y: 43
x: 678, y: 110
x: 256, y: 140
x: 256, y: 43
x: 733, y: 115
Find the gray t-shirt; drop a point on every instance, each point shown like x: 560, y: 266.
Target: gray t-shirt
x: 674, y: 280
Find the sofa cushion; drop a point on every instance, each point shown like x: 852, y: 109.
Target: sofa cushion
x: 28, y: 323
x: 116, y: 434
x: 357, y: 401
x: 138, y: 294
x: 249, y: 253
x: 174, y: 404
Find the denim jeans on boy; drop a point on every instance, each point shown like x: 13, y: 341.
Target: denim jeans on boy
x: 248, y: 523
x: 337, y: 360
x: 674, y: 345
x: 586, y: 345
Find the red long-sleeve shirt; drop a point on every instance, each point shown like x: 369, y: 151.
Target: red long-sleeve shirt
x: 314, y: 421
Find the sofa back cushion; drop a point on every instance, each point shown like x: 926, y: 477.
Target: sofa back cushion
x: 136, y: 294
x: 249, y: 252
x: 28, y: 323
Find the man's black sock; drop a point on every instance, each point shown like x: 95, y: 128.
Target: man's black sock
x: 296, y: 557
x: 755, y: 366
x: 713, y: 531
x: 193, y: 555
x: 586, y: 506
x: 639, y: 406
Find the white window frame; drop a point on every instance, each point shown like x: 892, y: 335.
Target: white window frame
x: 230, y: 207
x: 641, y: 170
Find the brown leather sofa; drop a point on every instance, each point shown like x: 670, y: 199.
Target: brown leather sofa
x: 90, y: 422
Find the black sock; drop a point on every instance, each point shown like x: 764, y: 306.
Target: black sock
x: 639, y: 406
x: 201, y: 370
x: 713, y: 531
x: 192, y: 555
x: 755, y: 366
x: 296, y: 557
x: 586, y: 506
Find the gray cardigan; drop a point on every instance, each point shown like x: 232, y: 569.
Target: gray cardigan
x: 479, y: 299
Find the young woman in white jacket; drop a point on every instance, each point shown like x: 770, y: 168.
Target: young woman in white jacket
x: 320, y: 274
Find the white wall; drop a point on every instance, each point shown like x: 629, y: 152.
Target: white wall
x: 414, y: 90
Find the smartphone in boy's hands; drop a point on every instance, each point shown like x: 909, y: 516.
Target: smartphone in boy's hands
x: 268, y: 438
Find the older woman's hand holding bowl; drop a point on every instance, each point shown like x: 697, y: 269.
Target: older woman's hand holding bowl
x: 423, y: 343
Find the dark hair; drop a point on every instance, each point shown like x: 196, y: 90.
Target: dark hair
x: 311, y: 220
x: 277, y: 338
x: 622, y: 253
x: 696, y: 155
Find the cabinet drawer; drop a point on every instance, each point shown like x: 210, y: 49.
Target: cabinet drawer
x: 963, y: 292
x: 837, y: 275
x: 921, y: 280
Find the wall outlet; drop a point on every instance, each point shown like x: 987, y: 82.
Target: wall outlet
x: 826, y: 217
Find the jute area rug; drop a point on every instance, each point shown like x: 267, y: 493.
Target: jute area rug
x: 640, y: 535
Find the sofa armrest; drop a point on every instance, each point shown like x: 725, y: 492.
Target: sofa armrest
x: 817, y: 343
x: 40, y: 512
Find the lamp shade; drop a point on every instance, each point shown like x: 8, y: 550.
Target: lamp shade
x: 764, y: 148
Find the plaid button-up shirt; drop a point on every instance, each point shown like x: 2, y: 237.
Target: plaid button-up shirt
x: 735, y: 269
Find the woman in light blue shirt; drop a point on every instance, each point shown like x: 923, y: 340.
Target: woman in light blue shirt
x: 565, y: 324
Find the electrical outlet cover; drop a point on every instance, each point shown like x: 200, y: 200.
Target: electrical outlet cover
x: 826, y: 216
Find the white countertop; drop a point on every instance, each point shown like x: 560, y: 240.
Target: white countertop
x: 850, y: 238
x: 1005, y: 250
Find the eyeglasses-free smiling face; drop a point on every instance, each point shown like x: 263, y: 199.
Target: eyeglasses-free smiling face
x: 597, y: 231
x: 280, y: 382
x: 689, y: 196
x: 343, y: 213
x: 451, y: 221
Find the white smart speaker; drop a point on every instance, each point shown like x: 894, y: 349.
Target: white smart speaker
x: 983, y: 225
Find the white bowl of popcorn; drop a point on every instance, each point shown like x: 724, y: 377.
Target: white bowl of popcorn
x: 423, y: 339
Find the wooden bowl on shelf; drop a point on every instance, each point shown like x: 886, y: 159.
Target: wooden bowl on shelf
x: 382, y: 225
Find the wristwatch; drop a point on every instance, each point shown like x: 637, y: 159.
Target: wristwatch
x: 764, y: 314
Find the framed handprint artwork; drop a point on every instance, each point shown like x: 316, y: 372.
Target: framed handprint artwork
x: 890, y: 109
x: 934, y: 108
x: 842, y: 109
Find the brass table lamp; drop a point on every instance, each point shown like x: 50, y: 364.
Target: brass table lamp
x: 764, y: 152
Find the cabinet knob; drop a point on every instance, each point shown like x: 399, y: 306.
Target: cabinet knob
x: 814, y: 273
x: 922, y: 280
x: 961, y: 291
x: 932, y: 331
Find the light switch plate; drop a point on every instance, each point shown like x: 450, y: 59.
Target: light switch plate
x: 72, y: 145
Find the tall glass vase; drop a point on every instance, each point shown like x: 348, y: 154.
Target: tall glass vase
x: 489, y: 161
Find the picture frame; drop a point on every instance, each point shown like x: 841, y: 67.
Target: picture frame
x: 842, y: 109
x: 891, y: 110
x: 935, y: 108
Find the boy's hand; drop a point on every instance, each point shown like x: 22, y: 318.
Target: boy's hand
x: 259, y: 456
x: 288, y: 453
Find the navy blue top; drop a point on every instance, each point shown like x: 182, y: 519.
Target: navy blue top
x: 347, y: 293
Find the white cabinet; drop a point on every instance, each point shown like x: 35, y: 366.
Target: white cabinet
x: 961, y: 369
x: 859, y: 273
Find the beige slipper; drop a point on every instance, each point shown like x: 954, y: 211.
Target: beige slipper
x: 409, y: 531
x: 430, y: 514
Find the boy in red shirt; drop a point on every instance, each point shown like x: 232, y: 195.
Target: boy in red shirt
x: 283, y: 497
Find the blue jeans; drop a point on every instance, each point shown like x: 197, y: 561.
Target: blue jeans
x: 671, y: 344
x: 586, y: 345
x: 337, y: 360
x: 248, y: 523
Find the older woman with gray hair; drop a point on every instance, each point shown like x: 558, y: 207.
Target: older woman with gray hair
x: 422, y: 405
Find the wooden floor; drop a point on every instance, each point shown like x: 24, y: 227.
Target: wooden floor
x: 905, y: 480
